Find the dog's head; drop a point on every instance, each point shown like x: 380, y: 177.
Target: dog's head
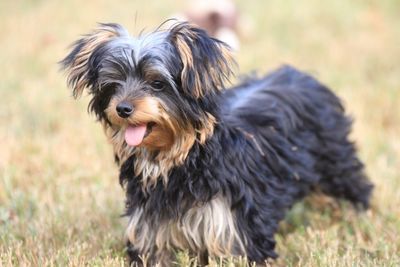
x: 157, y: 89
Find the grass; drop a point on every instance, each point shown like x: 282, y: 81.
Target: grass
x: 60, y: 202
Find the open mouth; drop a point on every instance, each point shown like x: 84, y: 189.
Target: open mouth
x: 134, y: 134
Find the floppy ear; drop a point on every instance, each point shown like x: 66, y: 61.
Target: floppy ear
x: 206, y: 62
x: 76, y: 63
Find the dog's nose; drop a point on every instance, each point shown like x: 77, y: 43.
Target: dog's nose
x: 124, y: 109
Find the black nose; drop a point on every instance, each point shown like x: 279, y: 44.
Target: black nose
x: 124, y: 109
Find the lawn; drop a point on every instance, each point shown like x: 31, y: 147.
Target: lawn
x: 60, y: 201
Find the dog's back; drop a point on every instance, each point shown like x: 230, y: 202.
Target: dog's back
x: 303, y: 125
x: 285, y: 99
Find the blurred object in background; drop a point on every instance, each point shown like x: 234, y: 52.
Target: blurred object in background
x: 220, y: 18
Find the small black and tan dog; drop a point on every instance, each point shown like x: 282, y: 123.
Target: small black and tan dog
x: 208, y: 170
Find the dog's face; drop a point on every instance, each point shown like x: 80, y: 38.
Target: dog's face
x: 154, y: 89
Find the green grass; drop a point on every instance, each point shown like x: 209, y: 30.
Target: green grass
x: 60, y: 202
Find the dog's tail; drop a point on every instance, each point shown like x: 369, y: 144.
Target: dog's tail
x: 342, y: 172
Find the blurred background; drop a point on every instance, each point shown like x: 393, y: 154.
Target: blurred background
x: 60, y: 201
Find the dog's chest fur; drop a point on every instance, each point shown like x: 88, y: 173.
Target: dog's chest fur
x: 207, y: 227
x: 166, y: 216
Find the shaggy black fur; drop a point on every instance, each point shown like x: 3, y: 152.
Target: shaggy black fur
x: 279, y: 137
x: 275, y: 140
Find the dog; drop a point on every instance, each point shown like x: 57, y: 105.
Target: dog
x: 208, y: 170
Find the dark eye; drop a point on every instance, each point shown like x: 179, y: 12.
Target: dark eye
x: 158, y: 85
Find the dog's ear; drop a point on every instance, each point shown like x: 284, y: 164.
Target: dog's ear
x: 206, y: 62
x: 76, y: 63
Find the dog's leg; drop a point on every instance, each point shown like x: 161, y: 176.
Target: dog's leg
x: 203, y: 258
x: 134, y: 259
x: 342, y: 174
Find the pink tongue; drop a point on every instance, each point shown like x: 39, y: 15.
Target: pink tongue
x: 134, y: 134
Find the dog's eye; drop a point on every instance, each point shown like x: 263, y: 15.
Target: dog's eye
x: 158, y: 85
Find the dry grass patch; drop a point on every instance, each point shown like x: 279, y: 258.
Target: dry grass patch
x: 60, y: 202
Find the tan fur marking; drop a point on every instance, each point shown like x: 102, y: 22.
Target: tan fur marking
x: 187, y: 61
x: 185, y: 34
x: 79, y: 66
x: 185, y: 52
x: 171, y: 141
x: 208, y: 128
x: 208, y: 227
x: 151, y: 169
